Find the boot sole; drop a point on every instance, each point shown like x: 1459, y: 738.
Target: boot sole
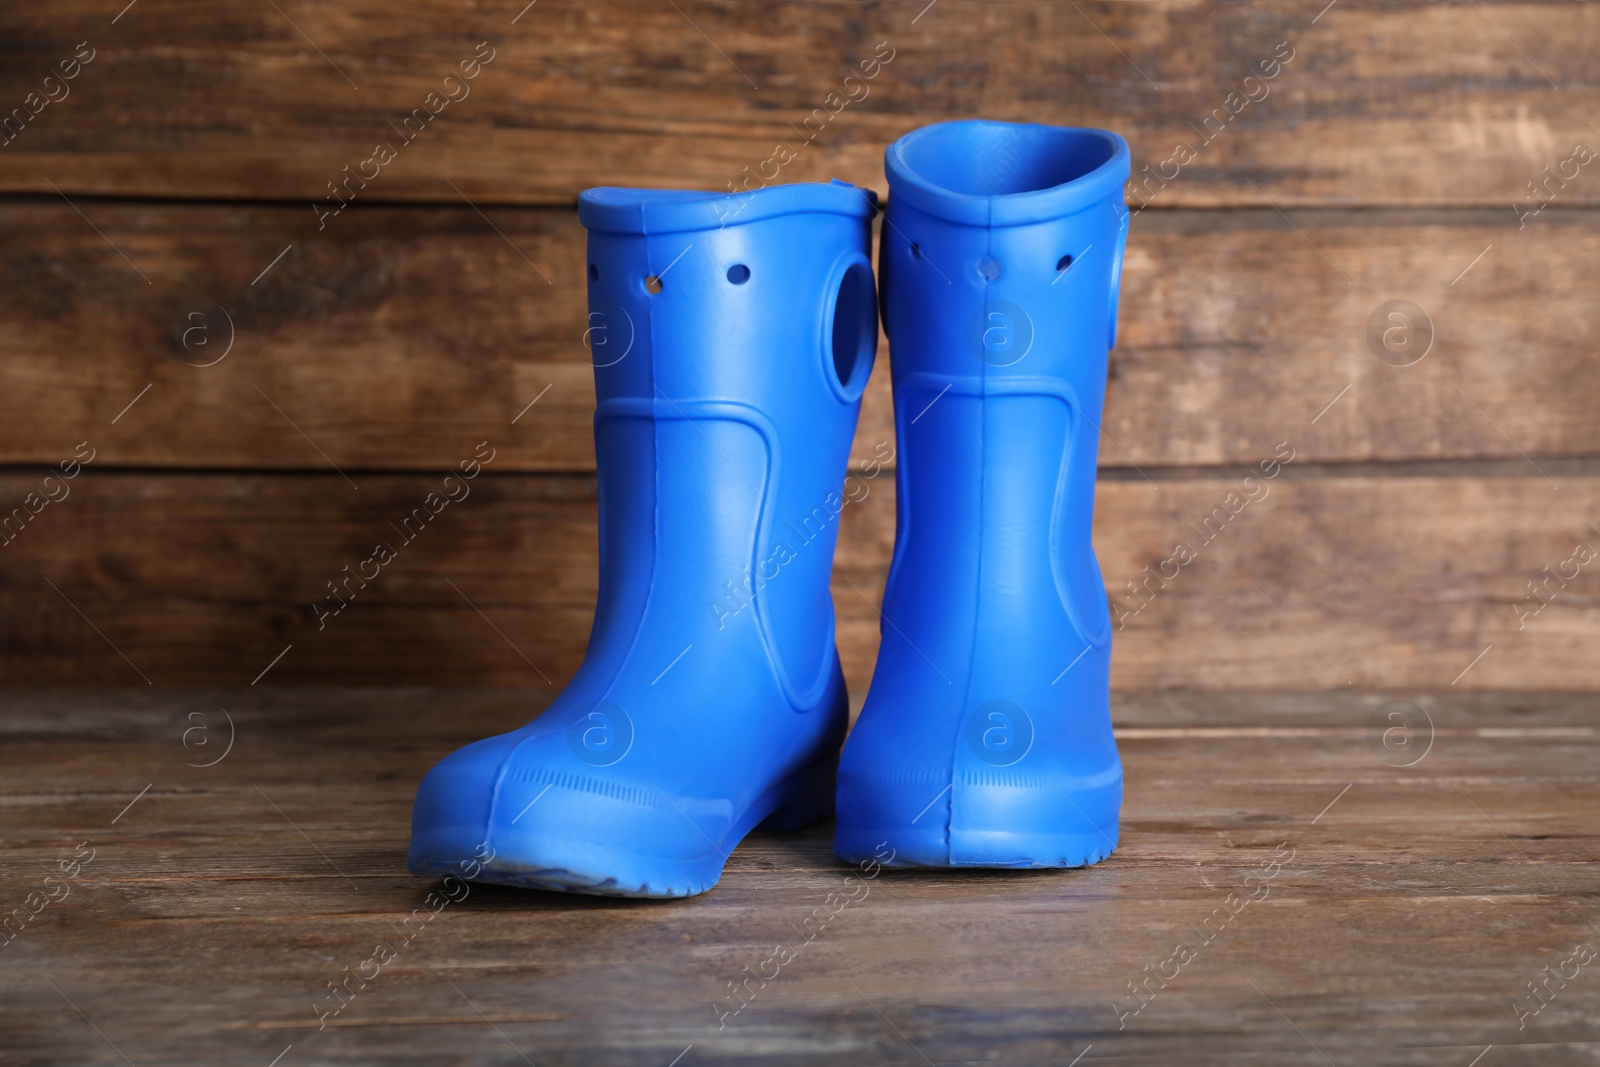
x: 572, y: 866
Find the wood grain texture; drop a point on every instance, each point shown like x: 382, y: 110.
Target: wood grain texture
x: 1322, y: 578
x: 1414, y: 906
x: 160, y: 214
x: 391, y: 342
x: 1401, y: 103
x: 402, y: 335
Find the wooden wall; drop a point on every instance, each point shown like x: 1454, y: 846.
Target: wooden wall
x: 264, y: 385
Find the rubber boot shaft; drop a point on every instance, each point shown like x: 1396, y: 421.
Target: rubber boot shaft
x: 985, y: 739
x: 731, y: 338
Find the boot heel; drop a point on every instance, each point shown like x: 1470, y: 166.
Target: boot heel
x: 804, y: 798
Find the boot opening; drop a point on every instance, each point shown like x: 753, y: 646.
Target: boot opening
x: 998, y: 159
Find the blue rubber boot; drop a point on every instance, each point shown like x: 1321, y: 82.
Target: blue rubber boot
x: 731, y: 339
x: 985, y: 740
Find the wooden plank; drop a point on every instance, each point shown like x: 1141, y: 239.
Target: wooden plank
x: 1369, y: 336
x: 391, y: 342
x: 403, y: 335
x: 1322, y: 578
x: 1410, y: 102
x: 1409, y: 909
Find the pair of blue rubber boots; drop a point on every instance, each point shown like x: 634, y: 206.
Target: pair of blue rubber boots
x: 732, y: 336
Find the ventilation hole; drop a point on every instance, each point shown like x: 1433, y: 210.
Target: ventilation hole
x: 1063, y: 263
x: 916, y: 250
x: 653, y: 283
x: 989, y: 268
x: 855, y: 323
x: 738, y: 274
x: 594, y: 273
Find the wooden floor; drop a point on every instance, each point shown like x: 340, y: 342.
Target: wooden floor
x: 1399, y: 912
